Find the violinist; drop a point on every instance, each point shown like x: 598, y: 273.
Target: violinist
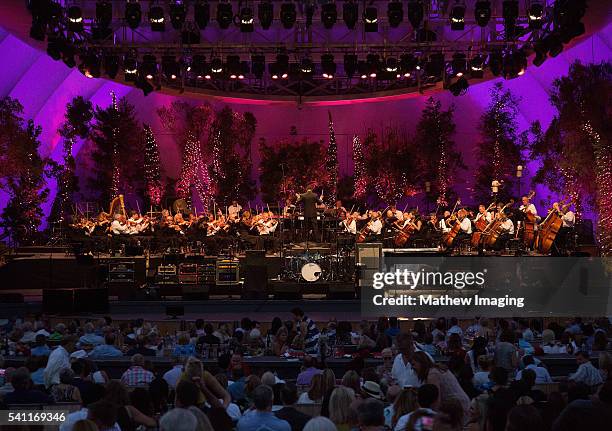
x: 444, y: 224
x: 338, y: 210
x: 234, y: 209
x: 375, y: 224
x: 119, y: 226
x: 289, y: 208
x: 349, y: 224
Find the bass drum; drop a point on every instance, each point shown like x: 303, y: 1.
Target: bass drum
x: 311, y: 272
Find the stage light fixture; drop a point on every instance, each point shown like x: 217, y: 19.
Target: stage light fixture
x: 111, y: 65
x: 90, y: 65
x: 201, y: 14
x: 258, y: 65
x: 350, y: 64
x: 246, y: 20
x: 329, y: 15
x: 225, y: 15
x: 104, y: 14
x: 350, y: 13
x: 408, y: 63
x: 457, y: 16
x: 535, y: 15
x: 232, y: 64
x: 280, y: 68
x: 133, y: 14
x: 265, y: 13
x: 148, y: 66
x: 510, y: 12
x: 415, y: 13
x: 395, y: 13
x: 373, y: 65
x: 566, y: 18
x: 459, y: 64
x: 328, y: 67
x: 514, y: 63
x: 178, y: 14
x: 216, y: 66
x: 482, y: 12
x: 75, y: 19
x: 477, y: 66
x: 130, y: 68
x: 370, y: 19
x: 391, y: 65
x: 460, y: 87
x: 306, y: 67
x: 157, y: 18
x: 170, y: 68
x: 144, y: 85
x: 288, y: 15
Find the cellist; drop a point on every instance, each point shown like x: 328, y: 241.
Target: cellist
x: 483, y: 213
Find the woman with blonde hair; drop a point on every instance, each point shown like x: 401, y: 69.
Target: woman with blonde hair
x: 315, y: 392
x: 281, y: 342
x: 210, y: 388
x: 352, y: 381
x: 340, y: 408
x: 329, y: 380
x: 406, y: 402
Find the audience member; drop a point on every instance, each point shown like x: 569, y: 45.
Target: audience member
x: 315, y: 391
x: 178, y: 419
x: 137, y: 374
x: 23, y: 392
x: 65, y: 391
x: 309, y: 369
x: 371, y: 415
x: 186, y: 397
x: 173, y: 375
x: 261, y: 417
x: 288, y: 412
x: 104, y: 414
x: 320, y: 423
x: 402, y: 371
x: 586, y: 372
x: 541, y: 373
x: 106, y: 350
x: 58, y: 360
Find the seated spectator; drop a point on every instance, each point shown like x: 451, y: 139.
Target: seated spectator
x: 184, y: 346
x: 426, y: 401
x: 587, y: 414
x: 59, y: 359
x: 524, y: 387
x: 371, y: 415
x: 186, y: 397
x: 7, y: 386
x: 479, y: 348
x: 340, y: 412
x: 454, y: 329
x: 280, y: 346
x: 351, y: 380
x: 23, y: 392
x: 309, y: 370
x: 506, y: 353
x: 586, y: 373
x: 208, y: 336
x: 315, y: 392
x: 371, y: 389
x: 262, y: 418
x: 405, y: 403
x: 320, y: 423
x: 104, y: 414
x: 65, y: 391
x: 288, y: 412
x: 391, y: 395
x: 542, y: 375
x: 96, y: 395
x: 40, y: 347
x: 524, y: 418
x: 142, y: 347
x: 178, y: 420
x: 106, y: 350
x: 600, y: 341
x: 449, y: 416
x: 454, y: 347
x: 526, y: 331
x: 128, y: 417
x: 36, y: 365
x: 402, y: 371
x: 159, y: 391
x: 136, y: 374
x: 90, y: 337
x: 173, y: 375
x: 210, y: 389
x: 481, y: 378
x: 428, y: 345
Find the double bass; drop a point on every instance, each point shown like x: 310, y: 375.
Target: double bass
x: 549, y: 230
x: 529, y: 231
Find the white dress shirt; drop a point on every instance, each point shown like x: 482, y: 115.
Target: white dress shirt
x: 508, y: 226
x: 376, y: 227
x: 403, y: 373
x: 118, y: 228
x: 529, y: 209
x: 542, y: 375
x: 487, y: 215
x: 350, y: 227
x: 234, y: 209
x: 443, y: 227
x: 58, y: 360
x: 173, y: 375
x: 569, y: 219
x: 466, y: 225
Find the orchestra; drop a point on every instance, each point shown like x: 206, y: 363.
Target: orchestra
x: 491, y: 226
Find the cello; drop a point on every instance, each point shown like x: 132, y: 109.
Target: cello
x: 494, y: 229
x: 449, y: 238
x: 549, y: 230
x: 529, y: 231
x: 480, y: 225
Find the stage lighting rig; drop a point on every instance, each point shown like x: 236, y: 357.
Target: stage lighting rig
x: 148, y: 66
x: 477, y: 66
x: 535, y: 15
x: 514, y: 63
x: 90, y: 65
x: 280, y: 68
x: 328, y: 67
x: 415, y: 13
x: 178, y: 14
x: 130, y: 68
x: 157, y: 18
x: 225, y: 15
x: 459, y: 64
x: 306, y: 67
x: 408, y: 63
x: 350, y: 13
x: 373, y: 65
x: 510, y: 13
x: 201, y: 13
x: 329, y: 15
x: 265, y: 13
x: 288, y: 15
x: 233, y: 67
x: 258, y: 65
x: 457, y: 16
x: 246, y: 20
x: 395, y: 13
x: 75, y: 19
x: 435, y: 66
x: 350, y: 64
x: 216, y: 66
x: 370, y: 19
x: 482, y: 12
x: 170, y: 68
x: 133, y: 14
x: 199, y: 68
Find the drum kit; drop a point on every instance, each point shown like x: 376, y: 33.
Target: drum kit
x: 314, y: 267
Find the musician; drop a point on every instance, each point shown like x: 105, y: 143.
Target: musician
x: 482, y: 212
x: 466, y: 223
x: 528, y: 207
x: 234, y: 209
x: 568, y: 220
x: 289, y: 208
x: 338, y: 209
x: 348, y: 224
x: 374, y: 227
x: 444, y: 225
x: 119, y: 226
x: 134, y: 223
x: 309, y: 201
x: 399, y: 215
x: 507, y: 232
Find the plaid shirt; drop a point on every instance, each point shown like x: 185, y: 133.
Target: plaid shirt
x: 136, y: 375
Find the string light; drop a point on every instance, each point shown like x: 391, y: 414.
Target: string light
x: 359, y: 168
x: 152, y: 167
x: 331, y: 163
x: 194, y: 172
x: 115, y: 157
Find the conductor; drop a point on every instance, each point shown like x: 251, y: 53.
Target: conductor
x: 310, y: 201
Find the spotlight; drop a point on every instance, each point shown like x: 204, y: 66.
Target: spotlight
x: 148, y: 67
x: 170, y: 68
x: 306, y: 67
x: 535, y: 15
x: 216, y: 66
x: 258, y: 65
x: 510, y: 12
x: 201, y: 14
x: 288, y: 15
x: 350, y: 13
x: 328, y: 67
x: 408, y: 63
x: 415, y: 13
x: 225, y: 16
x: 373, y: 65
x: 104, y: 14
x: 477, y: 66
x: 482, y: 12
x: 246, y: 20
x: 265, y: 13
x: 130, y: 68
x: 280, y: 69
x: 178, y: 13
x: 460, y: 87
x: 391, y: 65
x: 198, y: 66
x: 457, y: 17
x: 370, y: 19
x: 395, y: 13
x: 133, y: 14
x: 111, y: 65
x: 90, y: 65
x: 362, y: 68
x: 75, y: 19
x: 459, y: 64
x: 350, y: 64
x: 329, y: 15
x: 514, y: 64
x: 157, y: 18
x: 233, y: 66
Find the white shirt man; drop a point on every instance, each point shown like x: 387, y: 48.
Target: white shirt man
x: 58, y: 360
x: 403, y: 373
x: 569, y: 219
x: 118, y: 227
x: 376, y: 227
x: 508, y: 226
x: 349, y: 225
x: 528, y: 207
x: 487, y: 215
x: 466, y: 226
x: 586, y: 372
x: 173, y: 375
x: 234, y: 208
x: 542, y: 375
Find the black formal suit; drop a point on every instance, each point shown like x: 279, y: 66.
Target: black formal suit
x: 310, y: 201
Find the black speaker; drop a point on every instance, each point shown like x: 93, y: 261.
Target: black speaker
x: 91, y: 300
x: 58, y: 301
x: 255, y: 282
x: 255, y: 257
